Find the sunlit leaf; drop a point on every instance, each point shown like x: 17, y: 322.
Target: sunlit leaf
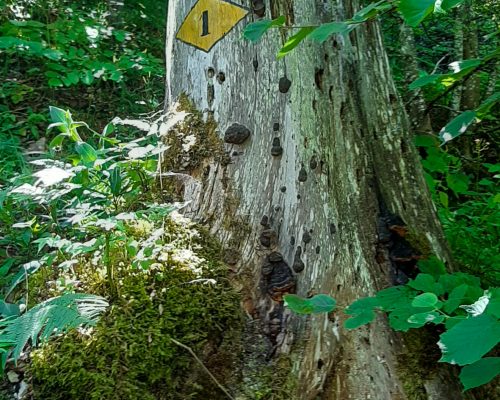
x: 470, y: 339
x: 324, y: 31
x: 294, y: 41
x: 457, y: 126
x: 254, y: 31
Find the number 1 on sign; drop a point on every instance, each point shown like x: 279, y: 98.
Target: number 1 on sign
x: 204, y: 23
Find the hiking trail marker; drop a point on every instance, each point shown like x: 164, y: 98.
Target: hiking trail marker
x: 209, y: 21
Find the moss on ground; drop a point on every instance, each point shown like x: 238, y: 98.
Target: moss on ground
x: 129, y: 354
x: 419, y: 361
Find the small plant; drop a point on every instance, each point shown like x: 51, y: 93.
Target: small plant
x: 457, y: 302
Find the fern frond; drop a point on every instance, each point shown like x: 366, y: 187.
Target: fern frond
x: 56, y: 315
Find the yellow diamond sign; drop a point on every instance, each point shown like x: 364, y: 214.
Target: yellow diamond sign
x: 209, y: 21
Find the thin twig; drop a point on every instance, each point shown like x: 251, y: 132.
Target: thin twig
x: 439, y: 62
x: 203, y: 366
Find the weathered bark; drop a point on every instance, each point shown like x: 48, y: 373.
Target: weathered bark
x: 347, y: 162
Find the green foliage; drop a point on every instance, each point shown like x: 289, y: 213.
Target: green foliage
x: 319, y: 303
x: 469, y: 313
x: 480, y: 372
x: 55, y: 315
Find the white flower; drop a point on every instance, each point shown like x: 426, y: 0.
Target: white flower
x: 92, y: 33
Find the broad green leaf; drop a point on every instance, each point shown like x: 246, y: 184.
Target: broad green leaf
x: 398, y: 318
x: 494, y: 304
x: 87, y: 77
x: 457, y: 126
x: 57, y: 114
x: 324, y: 31
x: 87, y: 153
x: 297, y: 304
x: 426, y: 283
x: 294, y: 41
x: 425, y: 141
x: 51, y: 54
x: 361, y: 311
x: 469, y: 340
x: 448, y: 4
x: 55, y: 82
x: 421, y: 319
x: 486, y: 105
x: 458, y: 182
x: 115, y: 181
x: 455, y: 298
x: 361, y: 305
x: 480, y: 372
x: 433, y: 266
x: 9, y: 309
x: 415, y: 11
x: 425, y: 300
x: 256, y: 30
x: 371, y: 11
x: 459, y: 67
x: 395, y: 297
x: 363, y: 318
x: 425, y: 80
x: 435, y: 163
x: 322, y: 303
x: 443, y: 198
x: 73, y: 77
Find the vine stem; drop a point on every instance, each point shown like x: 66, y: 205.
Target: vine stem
x: 204, y: 367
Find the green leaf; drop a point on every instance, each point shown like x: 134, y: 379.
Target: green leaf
x: 297, y: 304
x: 458, y: 182
x: 486, y: 105
x: 55, y: 82
x: 425, y: 300
x: 361, y: 311
x: 294, y: 41
x: 51, y: 54
x: 433, y: 266
x: 421, y: 319
x: 469, y: 340
x: 57, y: 114
x: 9, y: 309
x: 480, y: 372
x: 324, y: 31
x: 73, y: 77
x: 493, y: 307
x: 363, y: 318
x: 457, y: 126
x: 425, y: 141
x: 320, y: 303
x: 254, y: 31
x: 415, y: 11
x: 448, y: 4
x: 115, y: 181
x: 395, y: 297
x: 87, y: 77
x: 425, y: 80
x: 443, y: 198
x: 87, y: 153
x: 426, y: 283
x: 455, y: 298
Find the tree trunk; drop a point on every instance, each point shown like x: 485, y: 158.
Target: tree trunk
x: 328, y: 165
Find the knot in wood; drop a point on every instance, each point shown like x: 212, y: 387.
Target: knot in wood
x: 284, y: 84
x: 236, y: 134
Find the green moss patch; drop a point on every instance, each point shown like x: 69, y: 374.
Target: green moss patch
x: 129, y: 354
